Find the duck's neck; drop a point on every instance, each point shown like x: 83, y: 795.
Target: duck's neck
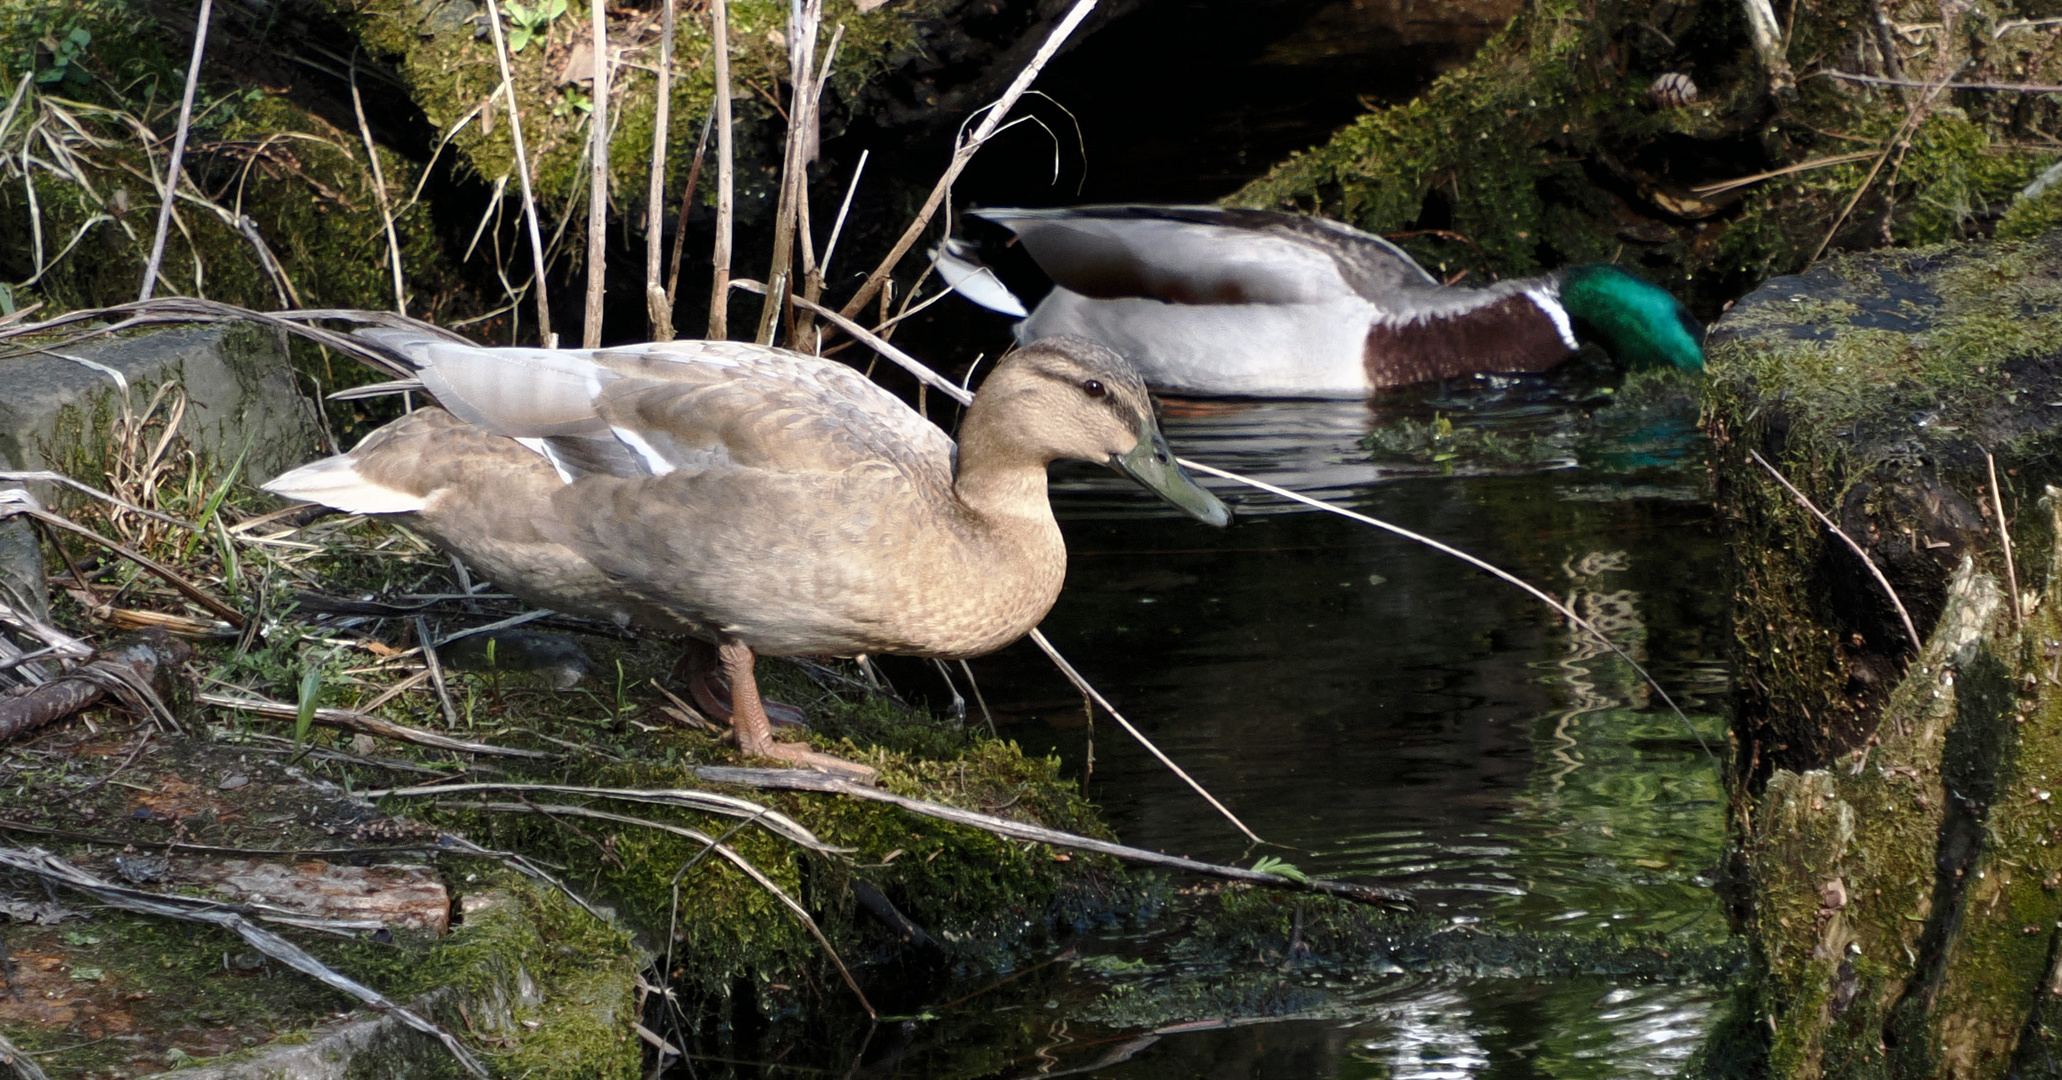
x: 996, y: 481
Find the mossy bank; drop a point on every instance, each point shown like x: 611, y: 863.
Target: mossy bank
x: 1895, y: 839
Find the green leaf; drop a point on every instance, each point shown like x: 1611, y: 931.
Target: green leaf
x: 1268, y: 864
x: 50, y: 75
x: 304, y: 717
x: 517, y: 38
x: 87, y: 974
x: 80, y: 937
x: 558, y: 8
x: 80, y: 36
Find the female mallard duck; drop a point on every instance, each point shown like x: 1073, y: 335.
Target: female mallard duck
x: 1263, y: 304
x: 770, y: 502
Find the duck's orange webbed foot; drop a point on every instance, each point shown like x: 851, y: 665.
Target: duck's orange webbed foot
x: 755, y: 732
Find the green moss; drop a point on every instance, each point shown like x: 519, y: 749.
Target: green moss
x: 1508, y: 151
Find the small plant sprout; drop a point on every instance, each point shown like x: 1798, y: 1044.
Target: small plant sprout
x: 65, y: 56
x: 311, y: 687
x: 1268, y: 864
x: 528, y: 21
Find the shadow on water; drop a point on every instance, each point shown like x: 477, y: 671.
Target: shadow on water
x: 1381, y: 712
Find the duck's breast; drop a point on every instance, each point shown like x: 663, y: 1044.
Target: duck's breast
x: 1258, y: 350
x: 814, y: 564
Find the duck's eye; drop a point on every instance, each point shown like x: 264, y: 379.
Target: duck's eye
x: 1093, y: 388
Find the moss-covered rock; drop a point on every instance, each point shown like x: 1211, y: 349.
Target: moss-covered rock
x: 1557, y: 145
x: 1896, y: 838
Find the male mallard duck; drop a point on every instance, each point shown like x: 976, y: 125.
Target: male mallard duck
x: 770, y: 502
x: 1263, y: 304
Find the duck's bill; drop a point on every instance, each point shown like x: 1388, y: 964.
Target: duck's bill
x: 1151, y: 463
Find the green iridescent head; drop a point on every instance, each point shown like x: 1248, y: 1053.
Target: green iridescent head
x: 1639, y: 323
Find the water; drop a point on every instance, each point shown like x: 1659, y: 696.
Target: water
x: 1384, y: 713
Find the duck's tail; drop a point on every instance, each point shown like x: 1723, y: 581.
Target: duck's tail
x: 965, y: 274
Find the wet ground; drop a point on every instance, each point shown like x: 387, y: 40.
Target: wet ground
x: 1379, y: 711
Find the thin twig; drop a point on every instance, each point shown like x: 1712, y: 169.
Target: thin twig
x: 907, y: 362
x: 1997, y: 508
x: 50, y: 868
x: 165, y: 573
x: 431, y: 664
x: 598, y: 182
x: 1910, y: 630
x: 659, y: 300
x: 812, y: 780
x: 813, y: 288
x: 522, y: 163
x: 964, y: 153
x: 707, y: 802
x: 364, y: 723
x: 1480, y: 564
x: 2015, y: 88
x: 379, y: 187
x: 801, y: 913
x: 1084, y: 686
x: 726, y: 180
x: 1915, y: 115
x: 1802, y: 166
x: 157, y: 243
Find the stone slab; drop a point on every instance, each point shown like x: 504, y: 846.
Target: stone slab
x: 239, y: 383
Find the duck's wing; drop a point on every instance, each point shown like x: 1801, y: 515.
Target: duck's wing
x: 1209, y: 255
x: 653, y: 409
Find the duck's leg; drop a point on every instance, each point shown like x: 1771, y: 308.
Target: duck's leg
x: 699, y: 670
x: 755, y: 732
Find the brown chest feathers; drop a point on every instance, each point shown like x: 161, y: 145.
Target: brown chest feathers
x: 1512, y: 334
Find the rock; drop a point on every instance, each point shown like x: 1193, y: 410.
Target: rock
x: 1888, y: 802
x: 239, y: 383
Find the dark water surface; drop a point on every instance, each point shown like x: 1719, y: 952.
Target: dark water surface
x: 1385, y: 713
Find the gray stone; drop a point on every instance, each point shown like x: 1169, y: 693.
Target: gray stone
x: 239, y: 386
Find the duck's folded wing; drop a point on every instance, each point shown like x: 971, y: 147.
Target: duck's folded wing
x: 775, y: 413
x: 1207, y: 255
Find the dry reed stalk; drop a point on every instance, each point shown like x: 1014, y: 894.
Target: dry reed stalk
x: 1997, y: 509
x: 379, y: 187
x: 801, y: 325
x: 726, y: 178
x: 658, y: 300
x: 812, y: 290
x: 170, y: 193
x: 804, y: 18
x: 964, y: 153
x: 1911, y: 631
x: 598, y: 182
x: 707, y: 802
x: 694, y: 176
x: 522, y: 163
